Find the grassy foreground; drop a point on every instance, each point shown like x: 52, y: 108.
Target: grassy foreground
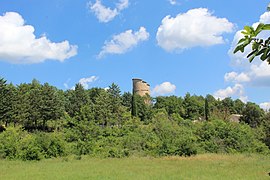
x: 208, y: 166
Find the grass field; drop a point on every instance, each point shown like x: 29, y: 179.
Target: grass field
x: 208, y: 166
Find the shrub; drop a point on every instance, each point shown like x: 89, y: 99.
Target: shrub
x: 51, y: 144
x: 29, y: 149
x: 226, y: 137
x: 9, y: 142
x: 175, y: 139
x: 19, y: 144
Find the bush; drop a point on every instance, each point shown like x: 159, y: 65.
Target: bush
x: 110, y: 147
x: 142, y: 140
x: 175, y: 139
x: 29, y: 149
x: 51, y: 144
x: 226, y: 137
x: 9, y: 142
x: 19, y: 144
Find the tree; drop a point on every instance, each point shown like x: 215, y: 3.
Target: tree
x: 238, y: 106
x: 35, y: 99
x: 77, y: 99
x: 172, y: 104
x: 194, y: 106
x: 22, y: 105
x: 51, y: 106
x: 140, y: 108
x: 227, y: 107
x: 134, y: 109
x: 127, y: 100
x: 259, y: 47
x: 206, y: 109
x: 252, y: 115
x: 116, y: 103
x: 7, y: 97
x: 266, y: 127
x: 115, y: 97
x: 103, y: 109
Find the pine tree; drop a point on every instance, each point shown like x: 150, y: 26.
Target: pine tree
x: 134, y: 110
x: 77, y: 99
x: 51, y: 107
x: 5, y: 102
x: 206, y: 109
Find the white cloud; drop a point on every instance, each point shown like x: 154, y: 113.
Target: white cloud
x: 236, y: 91
x: 173, y: 2
x: 197, y: 27
x: 237, y: 78
x: 265, y: 106
x: 86, y: 81
x: 164, y: 88
x: 123, y: 42
x: 123, y: 4
x: 19, y: 45
x: 106, y: 14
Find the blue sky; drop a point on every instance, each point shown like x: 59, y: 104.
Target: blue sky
x: 176, y: 46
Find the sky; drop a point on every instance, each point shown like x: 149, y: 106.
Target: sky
x: 177, y: 46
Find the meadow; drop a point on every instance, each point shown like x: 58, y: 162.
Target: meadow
x: 206, y: 166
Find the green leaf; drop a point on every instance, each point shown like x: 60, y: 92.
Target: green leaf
x: 238, y: 48
x: 266, y: 27
x: 258, y: 29
x: 245, y: 33
x: 250, y: 54
x: 241, y: 40
x: 261, y: 51
x: 265, y: 54
x: 255, y: 46
x: 252, y: 57
x: 249, y: 29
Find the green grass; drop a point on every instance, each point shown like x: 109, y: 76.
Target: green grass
x: 208, y: 166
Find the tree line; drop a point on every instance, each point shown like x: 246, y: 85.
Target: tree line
x: 43, y: 121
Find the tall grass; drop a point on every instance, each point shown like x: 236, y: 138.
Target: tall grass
x: 208, y: 166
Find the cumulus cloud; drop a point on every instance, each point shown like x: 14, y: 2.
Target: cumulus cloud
x: 123, y: 42
x: 236, y: 91
x: 106, y: 14
x: 19, y: 45
x: 85, y: 82
x: 164, y: 88
x: 265, y: 106
x: 197, y: 27
x: 235, y: 77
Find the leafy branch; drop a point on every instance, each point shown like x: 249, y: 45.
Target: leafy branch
x: 260, y: 47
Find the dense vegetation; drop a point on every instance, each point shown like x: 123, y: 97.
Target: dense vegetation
x: 41, y: 121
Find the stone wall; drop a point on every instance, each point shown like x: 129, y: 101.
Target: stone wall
x: 140, y: 87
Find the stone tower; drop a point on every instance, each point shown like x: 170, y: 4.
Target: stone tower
x: 140, y: 87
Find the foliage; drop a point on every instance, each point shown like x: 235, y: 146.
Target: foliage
x: 225, y: 137
x: 9, y: 142
x: 252, y: 114
x: 259, y: 47
x: 45, y: 122
x: 194, y: 107
x: 175, y: 140
x: 18, y: 144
